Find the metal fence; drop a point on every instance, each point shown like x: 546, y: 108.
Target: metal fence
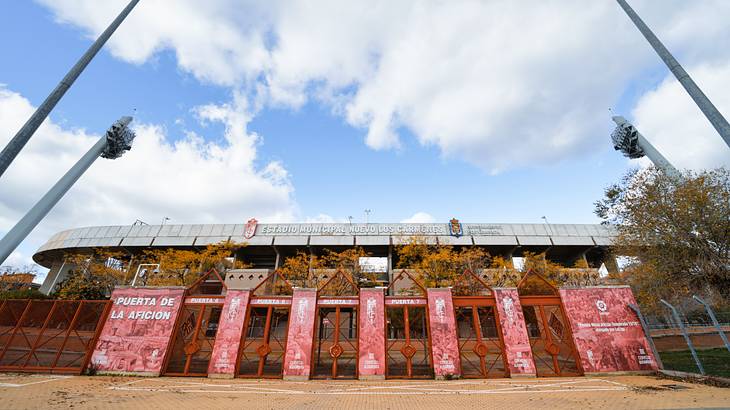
x: 49, y: 335
x: 692, y: 337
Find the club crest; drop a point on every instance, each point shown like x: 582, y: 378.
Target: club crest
x: 250, y: 230
x: 455, y: 228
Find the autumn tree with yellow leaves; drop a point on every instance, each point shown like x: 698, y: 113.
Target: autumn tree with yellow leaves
x: 675, y: 231
x: 182, y: 267
x: 308, y: 270
x: 93, y: 275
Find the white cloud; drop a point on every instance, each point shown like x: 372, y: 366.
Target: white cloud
x: 498, y: 84
x: 190, y: 180
x: 419, y: 217
x: 672, y: 122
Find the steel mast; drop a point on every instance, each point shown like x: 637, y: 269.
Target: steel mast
x: 29, y: 128
x: 117, y: 140
x: 711, y: 112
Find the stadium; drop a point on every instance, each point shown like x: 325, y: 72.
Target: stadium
x: 257, y: 323
x: 268, y: 245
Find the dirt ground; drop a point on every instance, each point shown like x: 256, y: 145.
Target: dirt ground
x: 615, y: 392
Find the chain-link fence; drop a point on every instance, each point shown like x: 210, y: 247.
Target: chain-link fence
x: 692, y: 337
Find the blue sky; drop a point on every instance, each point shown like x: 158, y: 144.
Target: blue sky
x: 312, y: 144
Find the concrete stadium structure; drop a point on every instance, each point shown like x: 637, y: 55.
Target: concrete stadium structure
x: 270, y: 244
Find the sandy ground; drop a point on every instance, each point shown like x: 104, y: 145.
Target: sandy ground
x: 615, y: 392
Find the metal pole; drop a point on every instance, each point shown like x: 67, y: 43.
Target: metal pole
x: 713, y: 115
x: 711, y: 313
x: 686, y: 336
x: 644, y: 326
x: 21, y: 138
x: 16, y: 235
x: 55, y: 279
x: 136, y: 275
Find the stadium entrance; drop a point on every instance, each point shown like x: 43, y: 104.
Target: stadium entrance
x: 335, y: 344
x: 408, y: 347
x: 197, y: 327
x: 550, y: 338
x: 481, y: 346
x: 263, y: 343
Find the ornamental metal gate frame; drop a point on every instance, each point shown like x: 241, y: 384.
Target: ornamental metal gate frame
x: 549, y: 339
x: 408, y: 351
x: 57, y: 324
x: 341, y: 342
x: 481, y: 346
x: 263, y: 349
x: 199, y: 338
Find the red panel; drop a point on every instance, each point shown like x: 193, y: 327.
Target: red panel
x: 138, y: 330
x: 606, y: 332
x: 516, y: 340
x: 298, y: 360
x: 230, y: 329
x: 444, y: 343
x: 372, y: 333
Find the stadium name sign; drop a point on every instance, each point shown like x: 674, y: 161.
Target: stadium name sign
x: 374, y: 229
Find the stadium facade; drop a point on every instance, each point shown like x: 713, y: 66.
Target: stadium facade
x: 269, y: 244
x: 254, y: 323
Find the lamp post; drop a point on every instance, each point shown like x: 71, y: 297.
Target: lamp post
x: 627, y: 139
x: 111, y: 145
x: 29, y: 128
x: 711, y: 112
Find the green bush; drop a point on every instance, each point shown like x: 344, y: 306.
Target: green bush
x: 23, y: 294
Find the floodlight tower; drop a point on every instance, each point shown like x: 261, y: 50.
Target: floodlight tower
x: 711, y: 112
x: 627, y: 139
x: 112, y: 145
x: 16, y: 144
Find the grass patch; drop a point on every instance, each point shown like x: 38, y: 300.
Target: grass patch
x: 715, y: 361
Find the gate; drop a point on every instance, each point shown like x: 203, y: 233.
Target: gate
x: 263, y: 344
x: 193, y: 345
x: 407, y: 339
x: 54, y: 336
x: 481, y: 346
x: 194, y: 337
x: 335, y: 344
x: 549, y: 331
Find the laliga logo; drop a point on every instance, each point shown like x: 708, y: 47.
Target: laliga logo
x: 601, y: 305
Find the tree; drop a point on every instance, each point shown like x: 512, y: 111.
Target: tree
x: 93, y: 276
x: 304, y: 269
x: 439, y: 266
x: 300, y: 269
x: 677, y: 230
x: 182, y: 267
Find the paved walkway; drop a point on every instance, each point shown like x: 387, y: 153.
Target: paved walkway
x: 42, y: 391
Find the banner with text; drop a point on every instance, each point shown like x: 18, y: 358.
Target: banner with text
x: 371, y: 343
x: 137, y: 332
x: 606, y: 332
x: 444, y: 342
x: 298, y: 357
x: 514, y: 331
x: 230, y: 330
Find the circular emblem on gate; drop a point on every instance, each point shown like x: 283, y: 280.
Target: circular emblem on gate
x: 191, y: 348
x: 552, y: 348
x: 481, y: 349
x: 408, y: 351
x: 336, y: 351
x: 263, y: 350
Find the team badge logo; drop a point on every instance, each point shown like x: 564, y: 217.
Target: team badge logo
x: 455, y: 228
x: 601, y: 305
x: 250, y: 228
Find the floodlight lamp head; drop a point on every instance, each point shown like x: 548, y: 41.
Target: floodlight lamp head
x: 626, y: 139
x: 119, y: 138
